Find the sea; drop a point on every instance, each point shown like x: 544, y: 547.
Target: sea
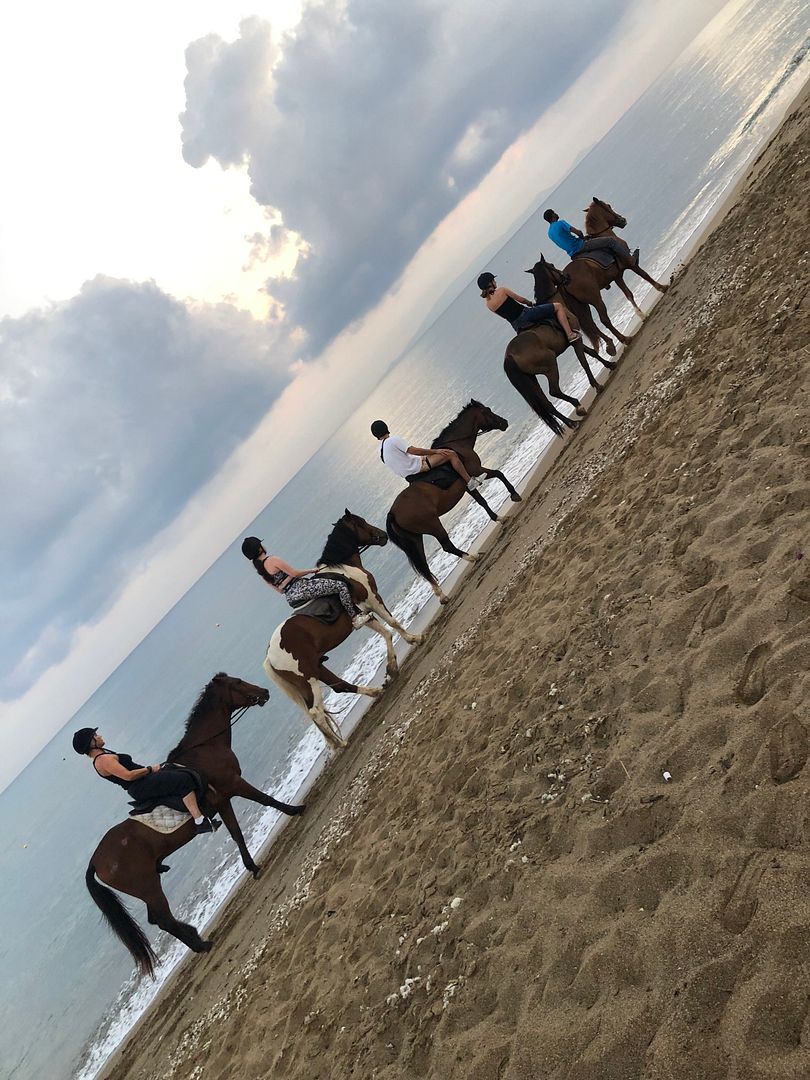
x: 69, y: 993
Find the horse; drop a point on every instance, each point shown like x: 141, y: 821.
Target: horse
x: 550, y: 285
x: 295, y: 658
x: 417, y: 511
x: 587, y: 278
x: 130, y: 855
x: 534, y: 352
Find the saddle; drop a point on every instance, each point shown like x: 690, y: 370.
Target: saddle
x: 171, y: 802
x: 602, y: 257
x: 326, y: 609
x: 442, y: 477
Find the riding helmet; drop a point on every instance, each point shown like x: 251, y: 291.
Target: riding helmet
x: 251, y: 546
x: 379, y: 428
x: 82, y: 739
x: 485, y: 280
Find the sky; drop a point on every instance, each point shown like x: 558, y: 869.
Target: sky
x: 211, y: 214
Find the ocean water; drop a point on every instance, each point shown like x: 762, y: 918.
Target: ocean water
x: 69, y: 994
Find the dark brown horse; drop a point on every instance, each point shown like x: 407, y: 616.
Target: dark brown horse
x: 587, y: 278
x: 128, y: 856
x: 417, y: 511
x: 534, y: 352
x: 297, y: 650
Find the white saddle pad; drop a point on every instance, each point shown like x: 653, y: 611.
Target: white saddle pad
x: 162, y: 819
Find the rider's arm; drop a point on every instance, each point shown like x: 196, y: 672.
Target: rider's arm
x: 109, y: 765
x: 290, y: 571
x: 576, y: 232
x: 520, y: 299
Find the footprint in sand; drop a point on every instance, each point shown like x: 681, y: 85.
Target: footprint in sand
x: 743, y: 901
x: 712, y: 615
x: 787, y: 744
x: 752, y: 686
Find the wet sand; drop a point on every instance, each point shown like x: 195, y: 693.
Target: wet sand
x: 496, y: 881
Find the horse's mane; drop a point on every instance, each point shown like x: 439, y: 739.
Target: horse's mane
x: 341, y: 544
x: 202, y: 702
x: 448, y: 431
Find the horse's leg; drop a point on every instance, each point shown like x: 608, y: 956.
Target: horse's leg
x: 552, y: 373
x: 226, y: 812
x: 438, y: 530
x: 160, y: 914
x: 391, y: 665
x: 643, y: 274
x: 479, y: 498
x: 319, y: 713
x: 599, y: 304
x: 496, y: 474
x: 241, y: 788
x: 625, y: 288
x: 583, y: 363
x: 375, y: 604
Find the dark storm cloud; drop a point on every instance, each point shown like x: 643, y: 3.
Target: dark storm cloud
x: 114, y: 408
x: 373, y: 120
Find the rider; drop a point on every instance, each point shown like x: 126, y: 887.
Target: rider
x: 405, y: 460
x: 294, y: 585
x: 520, y: 312
x: 574, y: 242
x: 143, y: 782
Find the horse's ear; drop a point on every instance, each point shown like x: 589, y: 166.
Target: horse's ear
x: 543, y: 260
x: 347, y: 512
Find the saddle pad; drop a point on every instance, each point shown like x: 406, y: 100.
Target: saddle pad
x: 442, y: 476
x: 601, y: 257
x: 326, y: 609
x: 162, y: 819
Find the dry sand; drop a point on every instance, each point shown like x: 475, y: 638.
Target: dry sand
x: 495, y: 880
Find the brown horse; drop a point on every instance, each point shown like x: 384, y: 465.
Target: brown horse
x: 297, y: 650
x: 417, y: 511
x: 129, y: 855
x: 587, y: 278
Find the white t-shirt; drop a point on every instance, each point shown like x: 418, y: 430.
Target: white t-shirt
x: 396, y: 457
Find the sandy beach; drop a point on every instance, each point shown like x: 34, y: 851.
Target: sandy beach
x: 496, y: 881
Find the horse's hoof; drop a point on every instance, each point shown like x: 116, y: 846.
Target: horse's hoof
x: 611, y: 349
x: 584, y: 412
x: 415, y: 639
x: 205, y: 946
x: 516, y: 497
x: 444, y: 599
x: 392, y: 672
x: 292, y: 809
x: 255, y: 871
x: 609, y: 364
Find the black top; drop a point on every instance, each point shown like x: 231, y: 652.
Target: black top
x: 126, y: 761
x: 278, y: 577
x: 510, y: 310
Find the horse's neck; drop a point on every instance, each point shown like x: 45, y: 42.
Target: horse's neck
x: 596, y: 224
x: 213, y: 724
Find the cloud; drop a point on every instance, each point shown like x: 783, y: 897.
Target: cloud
x: 372, y: 121
x: 115, y: 407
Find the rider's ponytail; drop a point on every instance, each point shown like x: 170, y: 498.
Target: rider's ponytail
x: 260, y: 570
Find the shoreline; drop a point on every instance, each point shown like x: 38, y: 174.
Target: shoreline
x: 510, y: 551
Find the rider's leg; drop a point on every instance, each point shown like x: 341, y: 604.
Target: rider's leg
x: 613, y: 245
x: 452, y: 458
x: 562, y: 318
x: 311, y: 588
x: 193, y: 807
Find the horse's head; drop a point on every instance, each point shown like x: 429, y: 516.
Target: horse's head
x: 547, y: 279
x: 237, y: 693
x: 484, y: 418
x: 601, y: 213
x: 367, y: 535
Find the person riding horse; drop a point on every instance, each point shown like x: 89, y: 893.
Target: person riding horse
x: 295, y: 585
x: 143, y: 782
x: 521, y: 313
x: 574, y: 242
x: 406, y: 461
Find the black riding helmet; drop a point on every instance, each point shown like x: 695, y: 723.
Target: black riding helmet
x: 251, y: 546
x: 82, y: 739
x: 485, y: 280
x: 379, y: 428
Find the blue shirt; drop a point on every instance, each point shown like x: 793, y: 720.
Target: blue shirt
x: 560, y: 232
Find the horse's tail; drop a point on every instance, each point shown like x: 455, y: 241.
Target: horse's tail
x: 529, y: 389
x: 121, y: 923
x: 409, y: 543
x: 277, y: 678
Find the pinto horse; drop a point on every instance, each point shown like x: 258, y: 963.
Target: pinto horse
x: 417, y: 511
x: 129, y: 855
x: 587, y: 278
x: 295, y: 656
